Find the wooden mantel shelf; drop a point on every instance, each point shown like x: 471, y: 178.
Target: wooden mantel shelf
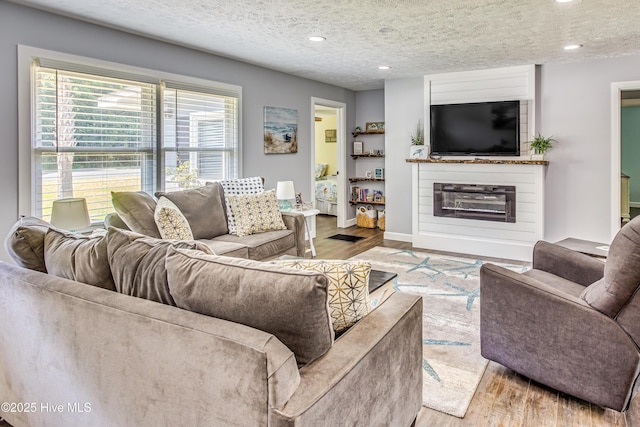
x: 482, y: 161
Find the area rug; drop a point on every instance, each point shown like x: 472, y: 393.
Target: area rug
x: 346, y: 237
x: 450, y: 290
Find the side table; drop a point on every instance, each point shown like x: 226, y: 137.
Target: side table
x: 595, y: 249
x: 309, y: 213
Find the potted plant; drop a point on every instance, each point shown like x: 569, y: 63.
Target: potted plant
x: 417, y: 149
x: 540, y: 145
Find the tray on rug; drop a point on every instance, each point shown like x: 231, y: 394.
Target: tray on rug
x: 449, y: 286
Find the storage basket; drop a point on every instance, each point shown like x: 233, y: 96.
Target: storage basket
x: 382, y: 220
x: 366, y: 217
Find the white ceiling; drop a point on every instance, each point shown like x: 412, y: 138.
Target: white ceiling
x: 426, y: 37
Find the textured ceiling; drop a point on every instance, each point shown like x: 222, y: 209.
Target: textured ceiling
x: 422, y: 36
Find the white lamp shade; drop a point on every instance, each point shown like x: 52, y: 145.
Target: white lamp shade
x: 285, y: 190
x: 70, y: 214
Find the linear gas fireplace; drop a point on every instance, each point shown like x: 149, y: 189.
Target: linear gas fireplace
x: 472, y: 201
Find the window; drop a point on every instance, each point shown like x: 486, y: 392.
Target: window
x: 95, y: 132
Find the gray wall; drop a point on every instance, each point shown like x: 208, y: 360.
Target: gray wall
x: 22, y: 25
x: 576, y: 110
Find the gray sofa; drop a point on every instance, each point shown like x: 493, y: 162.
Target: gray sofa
x: 81, y: 355
x: 205, y: 210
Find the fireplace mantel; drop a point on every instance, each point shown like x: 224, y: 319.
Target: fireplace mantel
x: 510, y: 240
x: 482, y: 161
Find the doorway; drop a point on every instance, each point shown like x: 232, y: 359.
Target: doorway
x: 625, y: 150
x: 328, y: 158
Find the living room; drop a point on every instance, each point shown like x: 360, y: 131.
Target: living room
x: 573, y: 103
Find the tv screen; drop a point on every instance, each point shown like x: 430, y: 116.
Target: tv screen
x: 484, y: 128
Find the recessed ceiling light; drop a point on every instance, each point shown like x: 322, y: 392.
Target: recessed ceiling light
x: 568, y: 1
x: 572, y: 47
x: 385, y: 30
x: 317, y: 38
x: 383, y: 67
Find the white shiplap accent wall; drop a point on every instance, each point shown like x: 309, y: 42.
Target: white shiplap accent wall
x: 485, y: 238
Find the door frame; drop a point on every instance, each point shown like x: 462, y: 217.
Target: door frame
x: 616, y: 141
x: 341, y: 138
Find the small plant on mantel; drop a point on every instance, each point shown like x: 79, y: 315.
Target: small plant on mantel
x: 417, y: 138
x: 540, y: 145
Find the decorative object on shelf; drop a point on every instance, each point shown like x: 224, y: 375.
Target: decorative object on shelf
x: 280, y: 130
x: 540, y: 145
x: 368, y: 174
x: 378, y: 197
x: 357, y: 147
x: 299, y: 201
x: 330, y: 135
x: 70, y: 213
x: 366, y: 217
x: 378, y: 173
x: 374, y: 127
x: 358, y: 129
x: 417, y: 150
x: 417, y: 138
x: 285, y: 192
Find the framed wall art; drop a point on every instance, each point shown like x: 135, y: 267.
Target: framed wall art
x: 374, y: 127
x: 280, y: 130
x: 330, y: 135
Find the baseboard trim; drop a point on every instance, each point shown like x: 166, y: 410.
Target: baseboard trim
x: 400, y: 237
x: 634, y: 204
x: 350, y: 222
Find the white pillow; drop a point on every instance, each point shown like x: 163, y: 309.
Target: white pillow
x: 236, y: 187
x: 256, y: 213
x: 171, y: 223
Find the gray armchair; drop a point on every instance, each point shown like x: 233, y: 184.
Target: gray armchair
x: 572, y: 322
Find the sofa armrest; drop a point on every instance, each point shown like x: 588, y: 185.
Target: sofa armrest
x: 568, y: 264
x: 295, y: 221
x: 371, y: 376
x: 555, y: 338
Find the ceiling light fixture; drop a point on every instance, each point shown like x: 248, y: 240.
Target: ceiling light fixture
x: 383, y: 67
x: 572, y: 47
x: 385, y: 30
x: 567, y: 1
x: 317, y: 38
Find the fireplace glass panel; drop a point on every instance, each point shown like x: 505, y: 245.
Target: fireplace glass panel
x: 472, y: 201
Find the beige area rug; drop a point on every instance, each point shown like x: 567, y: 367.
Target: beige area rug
x: 450, y: 289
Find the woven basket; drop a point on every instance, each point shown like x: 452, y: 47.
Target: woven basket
x: 382, y: 220
x: 366, y: 217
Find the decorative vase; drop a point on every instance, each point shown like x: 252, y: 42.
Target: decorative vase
x: 418, y: 152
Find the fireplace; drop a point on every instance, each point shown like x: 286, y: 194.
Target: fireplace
x: 472, y: 201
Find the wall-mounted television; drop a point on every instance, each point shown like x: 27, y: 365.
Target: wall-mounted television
x: 476, y: 129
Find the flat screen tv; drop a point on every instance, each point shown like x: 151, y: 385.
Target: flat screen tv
x: 476, y: 129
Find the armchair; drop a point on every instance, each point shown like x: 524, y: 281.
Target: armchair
x: 572, y: 322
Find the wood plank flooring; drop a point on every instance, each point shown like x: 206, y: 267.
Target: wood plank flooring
x: 503, y: 398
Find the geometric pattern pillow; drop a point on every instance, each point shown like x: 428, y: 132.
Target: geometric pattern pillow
x: 348, y: 287
x: 171, y: 223
x: 237, y: 187
x: 256, y: 213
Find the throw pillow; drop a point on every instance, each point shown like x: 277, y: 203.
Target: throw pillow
x: 171, y: 223
x: 77, y: 257
x: 256, y: 213
x: 288, y: 303
x: 136, y: 208
x: 138, y: 263
x: 348, y: 287
x: 235, y: 187
x: 25, y: 243
x: 203, y: 208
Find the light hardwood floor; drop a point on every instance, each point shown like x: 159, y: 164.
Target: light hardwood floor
x: 503, y: 398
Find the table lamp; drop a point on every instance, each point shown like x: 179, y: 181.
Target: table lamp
x: 285, y: 193
x: 70, y: 213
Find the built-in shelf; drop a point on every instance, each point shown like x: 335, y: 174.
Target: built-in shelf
x: 357, y: 156
x: 482, y: 161
x: 359, y: 202
x: 358, y: 179
x: 367, y: 133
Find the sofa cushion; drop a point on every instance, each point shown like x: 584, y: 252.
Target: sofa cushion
x: 253, y: 185
x: 621, y: 276
x: 80, y: 258
x: 348, y: 287
x: 25, y: 243
x: 171, y: 223
x: 203, y: 209
x: 290, y: 304
x: 262, y: 245
x: 138, y: 263
x: 256, y: 213
x: 220, y: 246
x: 136, y: 209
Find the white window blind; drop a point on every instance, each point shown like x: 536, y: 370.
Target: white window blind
x: 98, y: 130
x: 200, y: 136
x: 93, y: 135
